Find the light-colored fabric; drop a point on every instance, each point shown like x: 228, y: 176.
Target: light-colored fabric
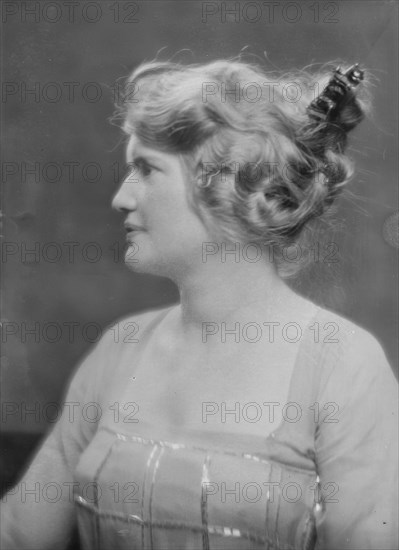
x: 325, y: 478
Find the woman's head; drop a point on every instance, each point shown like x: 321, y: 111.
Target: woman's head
x: 259, y: 168
x: 164, y: 235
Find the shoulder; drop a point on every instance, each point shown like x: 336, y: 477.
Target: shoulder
x: 347, y: 341
x: 352, y: 361
x: 128, y: 335
x: 348, y: 337
x: 134, y: 328
x: 120, y: 343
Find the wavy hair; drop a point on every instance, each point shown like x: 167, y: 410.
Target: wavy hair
x: 261, y: 168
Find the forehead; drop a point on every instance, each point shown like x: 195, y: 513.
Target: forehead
x: 135, y: 148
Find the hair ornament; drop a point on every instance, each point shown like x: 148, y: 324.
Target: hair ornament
x: 325, y: 171
x: 325, y: 105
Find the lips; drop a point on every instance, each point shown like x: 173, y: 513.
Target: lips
x: 130, y: 227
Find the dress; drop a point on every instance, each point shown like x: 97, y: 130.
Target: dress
x: 323, y: 479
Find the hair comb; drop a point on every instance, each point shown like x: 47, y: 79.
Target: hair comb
x: 328, y: 102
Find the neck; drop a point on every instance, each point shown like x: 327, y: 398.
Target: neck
x: 231, y: 291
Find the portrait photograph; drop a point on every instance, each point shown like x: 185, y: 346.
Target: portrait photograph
x: 199, y: 254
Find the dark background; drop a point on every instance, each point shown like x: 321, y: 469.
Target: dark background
x: 98, y: 46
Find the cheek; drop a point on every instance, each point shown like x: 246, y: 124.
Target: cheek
x: 171, y: 220
x: 168, y: 212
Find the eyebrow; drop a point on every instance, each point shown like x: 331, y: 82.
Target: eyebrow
x: 143, y: 157
x: 137, y: 152
x: 137, y: 155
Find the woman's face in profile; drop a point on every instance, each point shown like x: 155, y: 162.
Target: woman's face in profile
x: 164, y: 234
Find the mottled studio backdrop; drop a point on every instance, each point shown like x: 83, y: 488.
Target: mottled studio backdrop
x: 63, y: 274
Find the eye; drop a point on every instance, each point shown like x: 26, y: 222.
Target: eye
x: 143, y: 167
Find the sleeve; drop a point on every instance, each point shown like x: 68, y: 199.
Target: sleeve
x: 38, y: 512
x: 357, y: 449
x: 84, y: 400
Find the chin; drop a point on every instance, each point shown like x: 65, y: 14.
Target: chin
x: 140, y: 262
x: 143, y: 262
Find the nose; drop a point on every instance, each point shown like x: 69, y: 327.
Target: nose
x: 125, y: 199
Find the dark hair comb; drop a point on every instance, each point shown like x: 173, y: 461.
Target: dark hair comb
x: 324, y: 106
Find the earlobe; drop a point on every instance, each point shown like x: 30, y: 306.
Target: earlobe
x: 205, y: 180
x: 202, y: 180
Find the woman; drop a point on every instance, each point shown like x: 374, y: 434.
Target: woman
x: 246, y: 416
